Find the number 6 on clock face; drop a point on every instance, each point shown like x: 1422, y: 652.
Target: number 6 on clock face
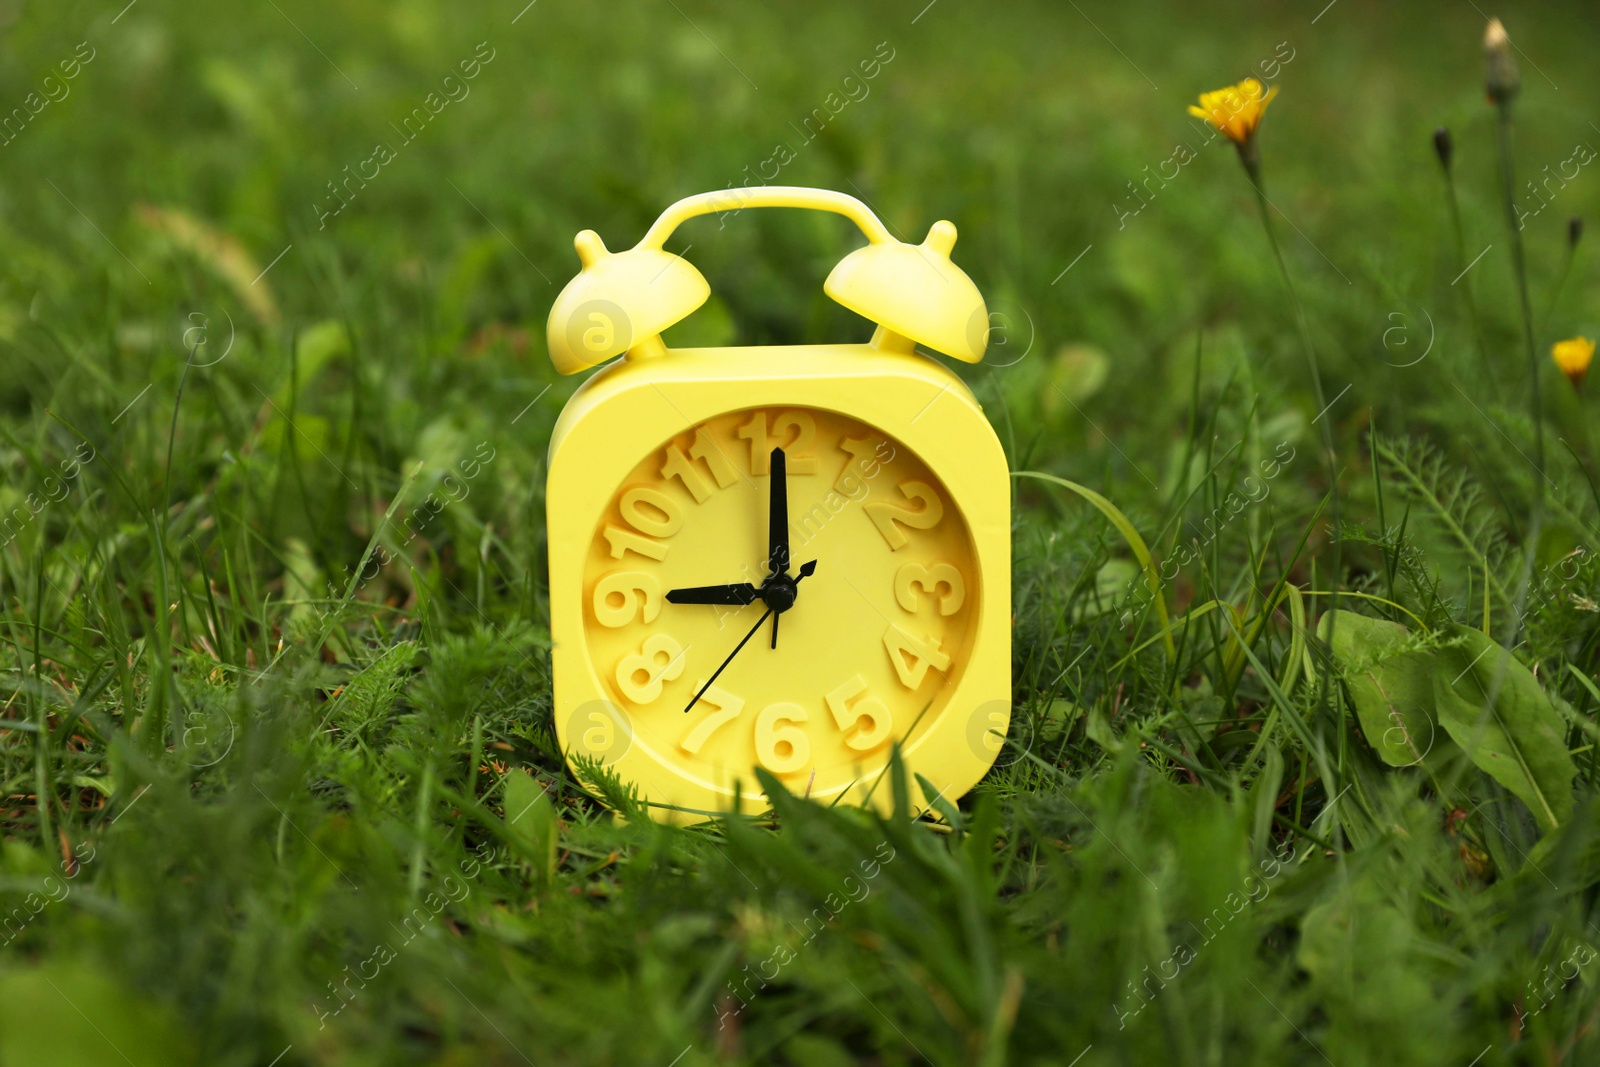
x: 781, y: 746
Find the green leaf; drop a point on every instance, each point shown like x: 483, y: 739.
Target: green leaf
x: 1391, y: 683
x: 1100, y: 732
x: 1113, y: 583
x: 68, y: 1014
x: 1077, y: 373
x: 1520, y: 739
x: 316, y: 345
x: 935, y: 798
x: 1361, y: 953
x: 369, y: 697
x: 531, y: 822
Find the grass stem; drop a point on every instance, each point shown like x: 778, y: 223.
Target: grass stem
x: 1461, y: 264
x: 1330, y: 456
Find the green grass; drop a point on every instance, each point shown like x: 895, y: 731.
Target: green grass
x: 271, y: 682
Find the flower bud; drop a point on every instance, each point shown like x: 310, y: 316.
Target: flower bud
x: 1501, y: 76
x: 1443, y: 146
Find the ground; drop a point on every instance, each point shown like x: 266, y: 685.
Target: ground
x: 275, y: 690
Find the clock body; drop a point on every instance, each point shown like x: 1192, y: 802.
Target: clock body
x: 897, y: 489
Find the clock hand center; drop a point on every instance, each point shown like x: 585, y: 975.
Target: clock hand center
x: 780, y: 591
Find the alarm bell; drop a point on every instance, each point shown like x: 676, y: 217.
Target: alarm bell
x: 915, y: 291
x: 618, y: 300
x: 621, y: 301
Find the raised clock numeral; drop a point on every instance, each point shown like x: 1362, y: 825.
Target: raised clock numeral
x: 615, y: 602
x: 652, y: 512
x: 888, y: 518
x: 725, y: 707
x: 794, y: 431
x: 782, y: 749
x: 640, y: 675
x: 867, y: 712
x: 942, y: 580
x: 705, y: 449
x: 798, y: 448
x: 912, y: 656
x: 755, y: 431
x: 622, y: 541
x: 679, y: 464
x: 866, y: 459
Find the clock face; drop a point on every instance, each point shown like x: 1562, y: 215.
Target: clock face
x: 873, y: 616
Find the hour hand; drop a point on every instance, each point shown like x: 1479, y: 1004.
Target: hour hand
x: 737, y: 593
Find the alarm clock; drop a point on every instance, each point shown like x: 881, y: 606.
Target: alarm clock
x: 794, y: 558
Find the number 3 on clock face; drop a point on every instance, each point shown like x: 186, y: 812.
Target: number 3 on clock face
x: 873, y: 643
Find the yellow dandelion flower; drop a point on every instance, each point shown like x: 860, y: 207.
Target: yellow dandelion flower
x: 1573, y: 358
x: 1236, y: 110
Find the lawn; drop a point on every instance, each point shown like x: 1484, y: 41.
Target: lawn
x: 1316, y: 784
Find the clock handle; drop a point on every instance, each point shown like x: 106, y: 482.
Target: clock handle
x: 766, y: 196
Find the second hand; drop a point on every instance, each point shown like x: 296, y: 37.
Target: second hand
x: 727, y: 661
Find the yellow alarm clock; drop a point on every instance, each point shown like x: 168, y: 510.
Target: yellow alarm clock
x: 789, y: 558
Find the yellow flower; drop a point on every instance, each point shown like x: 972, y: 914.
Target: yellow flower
x: 1235, y: 111
x: 1573, y: 358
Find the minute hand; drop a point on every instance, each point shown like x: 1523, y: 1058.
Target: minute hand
x: 719, y: 670
x: 778, y: 515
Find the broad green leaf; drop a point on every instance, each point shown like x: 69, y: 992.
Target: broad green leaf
x: 1113, y: 583
x: 1361, y: 953
x: 935, y: 798
x: 304, y: 583
x: 69, y: 1014
x: 1349, y: 931
x: 1057, y: 718
x: 1100, y: 732
x: 1264, y: 797
x: 1077, y: 373
x: 531, y: 822
x: 1392, y: 688
x: 1520, y: 740
x: 316, y: 345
